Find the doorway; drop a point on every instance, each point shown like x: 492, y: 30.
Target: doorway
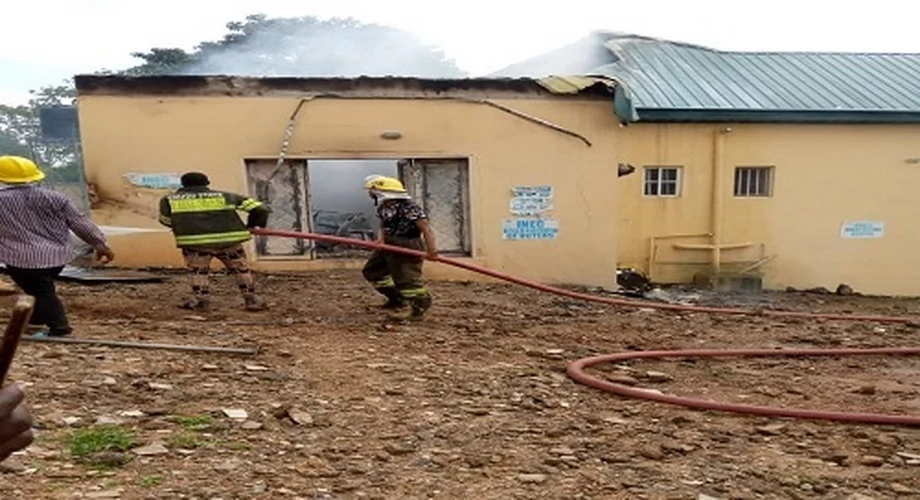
x: 325, y: 196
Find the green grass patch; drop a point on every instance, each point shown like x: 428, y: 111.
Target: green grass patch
x: 149, y: 481
x: 185, y: 441
x: 85, y: 442
x: 195, y: 422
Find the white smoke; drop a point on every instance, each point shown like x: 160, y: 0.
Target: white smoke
x: 581, y: 57
x: 321, y: 48
x: 309, y: 47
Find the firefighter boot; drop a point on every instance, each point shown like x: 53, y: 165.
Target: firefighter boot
x: 394, y: 299
x: 201, y: 304
x: 420, y: 306
x: 254, y: 303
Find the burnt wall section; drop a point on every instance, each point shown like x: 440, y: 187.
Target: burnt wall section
x: 197, y: 85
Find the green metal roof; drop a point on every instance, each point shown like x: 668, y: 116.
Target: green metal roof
x: 669, y: 81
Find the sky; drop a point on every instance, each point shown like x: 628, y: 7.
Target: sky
x: 47, y: 41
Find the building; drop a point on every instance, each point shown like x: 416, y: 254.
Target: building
x: 782, y: 169
x: 517, y: 174
x: 797, y: 168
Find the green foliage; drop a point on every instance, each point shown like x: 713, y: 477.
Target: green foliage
x: 185, y: 441
x: 20, y: 133
x: 85, y: 442
x: 149, y: 481
x: 195, y: 422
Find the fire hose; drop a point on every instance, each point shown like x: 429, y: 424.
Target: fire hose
x: 575, y: 369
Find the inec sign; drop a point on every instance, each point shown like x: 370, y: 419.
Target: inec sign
x: 530, y: 229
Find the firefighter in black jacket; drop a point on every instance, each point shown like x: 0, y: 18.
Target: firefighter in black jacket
x: 403, y: 223
x: 206, y: 226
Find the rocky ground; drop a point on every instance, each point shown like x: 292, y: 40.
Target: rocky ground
x: 473, y: 403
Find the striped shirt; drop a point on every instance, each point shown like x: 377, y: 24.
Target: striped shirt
x: 35, y: 225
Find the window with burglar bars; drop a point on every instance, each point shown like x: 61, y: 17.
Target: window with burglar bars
x: 441, y: 187
x: 662, y: 181
x: 754, y: 181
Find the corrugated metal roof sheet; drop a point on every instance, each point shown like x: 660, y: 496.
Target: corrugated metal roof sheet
x: 667, y: 75
x: 671, y: 81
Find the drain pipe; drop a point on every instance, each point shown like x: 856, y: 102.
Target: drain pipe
x: 717, y: 198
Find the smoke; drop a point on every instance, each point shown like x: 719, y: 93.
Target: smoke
x: 337, y: 185
x: 585, y: 56
x: 308, y: 46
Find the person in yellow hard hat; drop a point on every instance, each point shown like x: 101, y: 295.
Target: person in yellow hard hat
x: 35, y: 226
x: 403, y: 223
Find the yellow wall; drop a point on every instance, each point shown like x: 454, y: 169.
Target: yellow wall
x: 214, y: 135
x: 824, y: 175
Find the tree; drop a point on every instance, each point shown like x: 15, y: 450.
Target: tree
x: 20, y: 134
x: 161, y: 62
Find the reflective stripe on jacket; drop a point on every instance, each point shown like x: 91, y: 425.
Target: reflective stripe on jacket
x: 201, y: 216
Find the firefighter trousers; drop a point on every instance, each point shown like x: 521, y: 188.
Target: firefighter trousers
x: 398, y: 276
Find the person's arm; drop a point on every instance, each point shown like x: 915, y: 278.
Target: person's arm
x: 88, y: 232
x: 165, y: 216
x: 258, y: 212
x: 430, y: 244
x: 15, y: 422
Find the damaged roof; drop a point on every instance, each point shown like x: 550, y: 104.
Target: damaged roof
x: 224, y: 85
x: 671, y: 81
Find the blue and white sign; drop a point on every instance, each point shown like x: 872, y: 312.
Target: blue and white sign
x: 862, y: 229
x: 531, y: 200
x: 155, y: 181
x: 530, y: 229
x: 532, y: 191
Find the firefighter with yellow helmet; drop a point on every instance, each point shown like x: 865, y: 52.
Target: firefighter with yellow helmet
x: 403, y: 223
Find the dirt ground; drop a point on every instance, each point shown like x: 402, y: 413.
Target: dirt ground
x: 472, y: 403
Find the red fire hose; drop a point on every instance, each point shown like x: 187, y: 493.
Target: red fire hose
x: 576, y: 369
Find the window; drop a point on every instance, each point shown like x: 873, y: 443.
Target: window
x: 662, y: 181
x: 441, y: 187
x: 754, y: 181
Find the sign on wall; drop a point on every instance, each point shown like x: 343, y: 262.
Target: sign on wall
x: 862, y: 229
x: 155, y: 181
x: 532, y: 191
x: 529, y: 203
x: 530, y: 229
x: 531, y: 200
x: 530, y: 206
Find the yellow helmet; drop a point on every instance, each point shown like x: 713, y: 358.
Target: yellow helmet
x: 384, y: 184
x: 19, y: 170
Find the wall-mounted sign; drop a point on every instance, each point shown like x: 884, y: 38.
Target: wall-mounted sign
x: 532, y: 191
x: 530, y: 229
x: 155, y: 181
x: 531, y: 200
x: 530, y: 206
x: 862, y: 229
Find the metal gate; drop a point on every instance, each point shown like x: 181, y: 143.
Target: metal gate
x: 441, y: 187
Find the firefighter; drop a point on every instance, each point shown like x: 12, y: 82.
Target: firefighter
x: 206, y: 226
x: 403, y: 223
